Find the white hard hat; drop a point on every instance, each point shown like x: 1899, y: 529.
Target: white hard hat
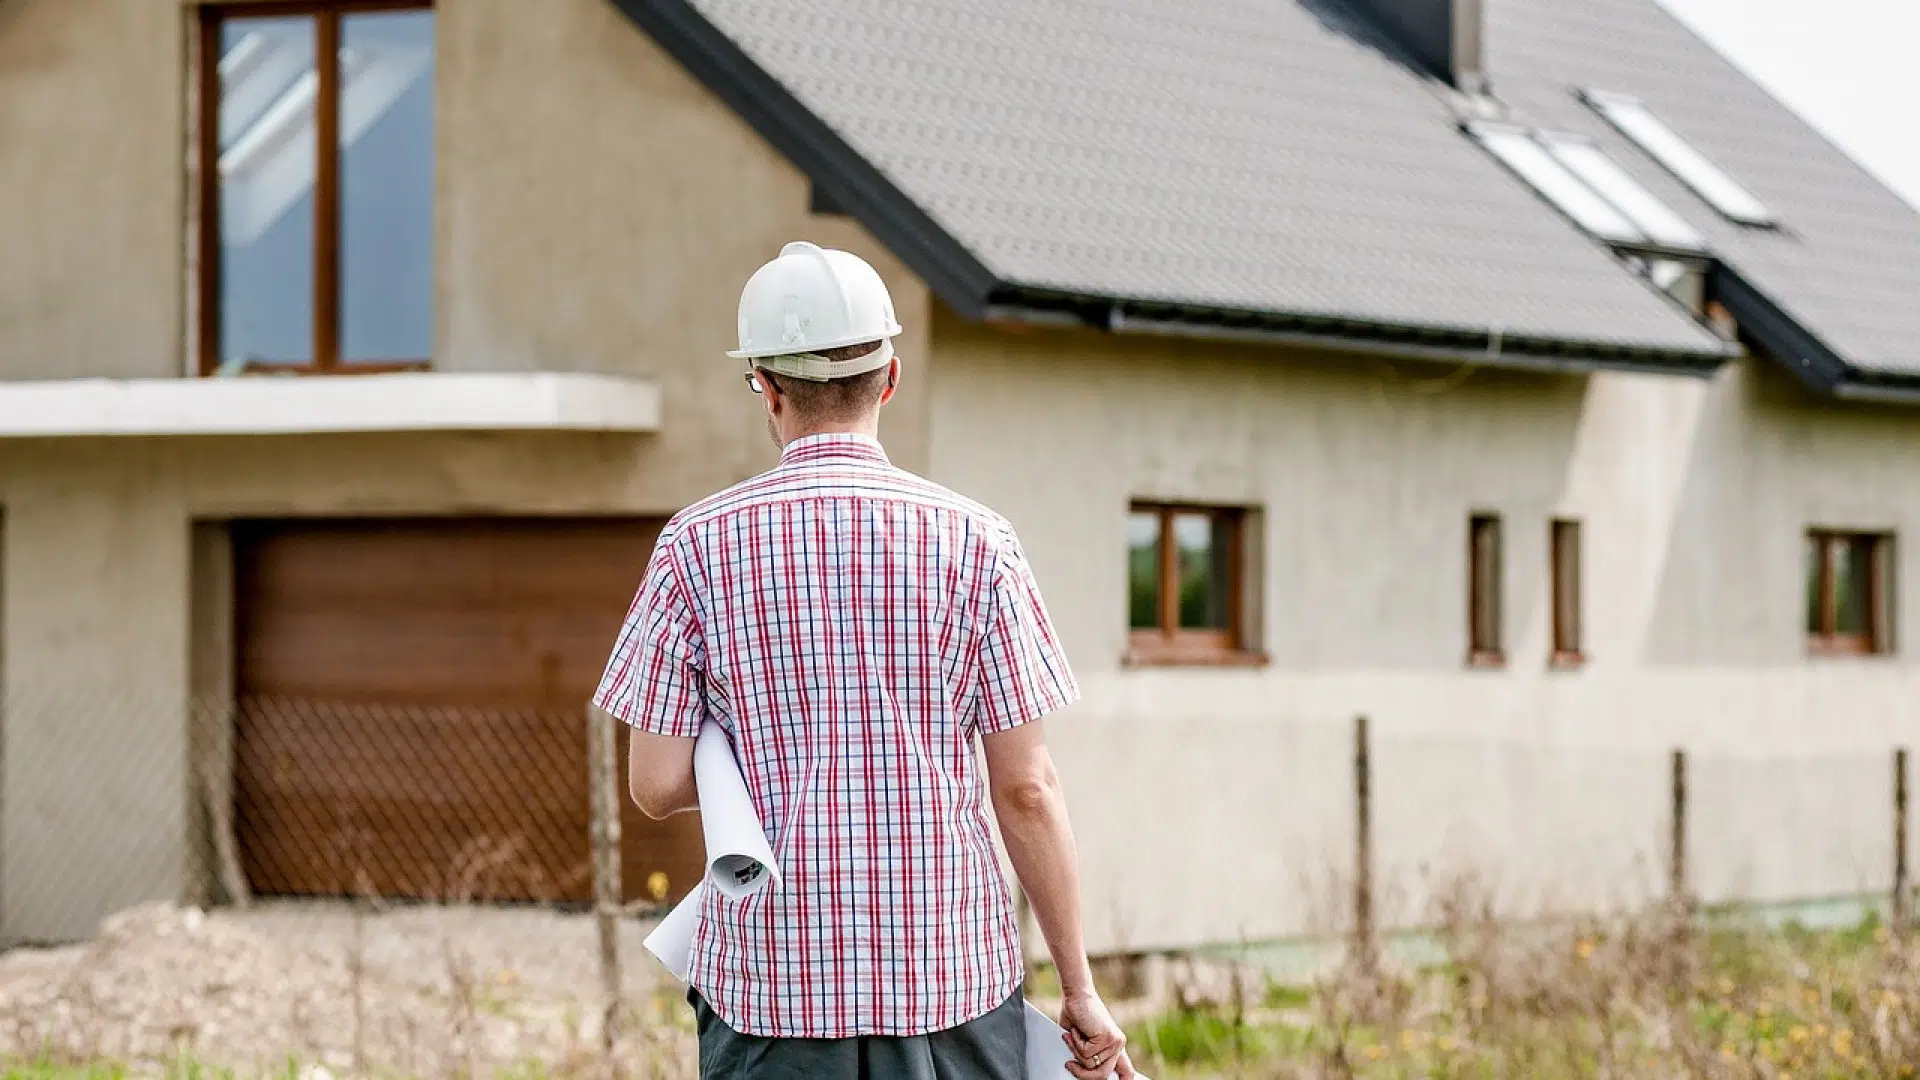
x: 807, y: 301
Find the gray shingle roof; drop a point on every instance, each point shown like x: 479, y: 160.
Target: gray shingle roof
x: 1845, y: 263
x: 1278, y: 156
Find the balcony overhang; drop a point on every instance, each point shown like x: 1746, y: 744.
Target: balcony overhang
x: 314, y: 405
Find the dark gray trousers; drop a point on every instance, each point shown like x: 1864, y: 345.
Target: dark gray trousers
x: 990, y: 1047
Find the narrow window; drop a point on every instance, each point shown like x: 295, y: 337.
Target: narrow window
x: 1849, y: 592
x: 1185, y: 581
x: 316, y: 186
x: 1483, y: 591
x: 1568, y: 650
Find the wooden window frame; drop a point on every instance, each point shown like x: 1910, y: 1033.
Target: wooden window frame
x: 1482, y: 593
x: 1825, y: 639
x: 1564, y: 556
x: 1169, y: 644
x: 326, y: 15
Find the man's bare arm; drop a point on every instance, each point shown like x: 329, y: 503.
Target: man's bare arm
x: 1032, y: 810
x: 660, y: 774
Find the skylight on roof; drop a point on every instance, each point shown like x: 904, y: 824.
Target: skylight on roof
x: 1588, y: 186
x: 1663, y: 144
x: 1590, y: 163
x: 1518, y: 150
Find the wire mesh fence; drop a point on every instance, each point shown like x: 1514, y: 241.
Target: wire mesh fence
x: 435, y: 890
x: 401, y: 889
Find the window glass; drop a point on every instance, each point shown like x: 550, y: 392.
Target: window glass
x: 1566, y: 586
x: 1694, y: 168
x: 1852, y: 576
x: 1530, y: 160
x: 386, y: 186
x: 1484, y: 584
x: 1143, y: 570
x: 266, y: 164
x: 1202, y: 550
x: 1655, y: 218
x: 1816, y: 553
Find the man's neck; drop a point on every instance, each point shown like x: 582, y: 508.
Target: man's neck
x: 869, y: 429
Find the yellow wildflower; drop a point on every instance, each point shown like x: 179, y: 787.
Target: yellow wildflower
x: 1798, y: 1033
x: 1375, y: 1053
x: 1584, y: 950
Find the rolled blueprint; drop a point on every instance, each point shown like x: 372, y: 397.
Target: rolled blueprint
x: 740, y: 863
x: 739, y: 859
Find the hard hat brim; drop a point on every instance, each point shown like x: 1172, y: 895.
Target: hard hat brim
x: 891, y: 330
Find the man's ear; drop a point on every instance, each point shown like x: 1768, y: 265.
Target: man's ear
x: 893, y: 380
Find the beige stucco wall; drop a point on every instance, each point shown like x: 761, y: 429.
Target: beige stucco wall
x: 91, y: 160
x: 596, y: 210
x: 599, y: 211
x: 1214, y: 805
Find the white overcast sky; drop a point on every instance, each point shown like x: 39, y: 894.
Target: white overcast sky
x: 1845, y: 65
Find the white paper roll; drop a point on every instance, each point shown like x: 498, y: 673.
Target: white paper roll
x: 739, y: 859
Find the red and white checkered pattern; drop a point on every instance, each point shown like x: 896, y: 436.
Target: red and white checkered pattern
x: 852, y: 626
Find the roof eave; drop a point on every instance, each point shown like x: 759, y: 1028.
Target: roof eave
x: 1486, y: 347
x: 1817, y: 365
x: 975, y: 292
x: 847, y: 178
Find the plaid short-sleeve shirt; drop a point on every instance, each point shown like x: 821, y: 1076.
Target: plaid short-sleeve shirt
x: 852, y: 627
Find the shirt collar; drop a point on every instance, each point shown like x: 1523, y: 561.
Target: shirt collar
x: 833, y: 446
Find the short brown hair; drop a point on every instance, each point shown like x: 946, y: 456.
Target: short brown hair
x: 836, y: 400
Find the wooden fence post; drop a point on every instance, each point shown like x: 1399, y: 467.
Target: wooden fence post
x: 1899, y: 910
x: 603, y: 775
x: 1364, y: 946
x: 1677, y: 842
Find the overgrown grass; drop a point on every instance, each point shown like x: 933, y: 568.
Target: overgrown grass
x: 1652, y: 996
x: 185, y: 1068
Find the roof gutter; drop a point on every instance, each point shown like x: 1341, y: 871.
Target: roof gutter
x: 1487, y: 348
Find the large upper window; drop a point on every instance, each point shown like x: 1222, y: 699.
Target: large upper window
x: 316, y: 186
x: 1849, y: 591
x: 1185, y: 584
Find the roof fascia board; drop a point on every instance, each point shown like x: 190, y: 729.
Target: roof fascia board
x: 1796, y: 348
x: 847, y: 178
x: 1879, y: 393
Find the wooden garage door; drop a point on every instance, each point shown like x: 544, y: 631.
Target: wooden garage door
x: 411, y: 708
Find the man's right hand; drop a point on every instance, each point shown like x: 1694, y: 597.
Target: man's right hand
x: 1098, y: 1045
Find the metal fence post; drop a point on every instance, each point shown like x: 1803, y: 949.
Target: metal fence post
x: 1677, y: 849
x: 1899, y: 909
x: 604, y: 779
x: 1363, y: 928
